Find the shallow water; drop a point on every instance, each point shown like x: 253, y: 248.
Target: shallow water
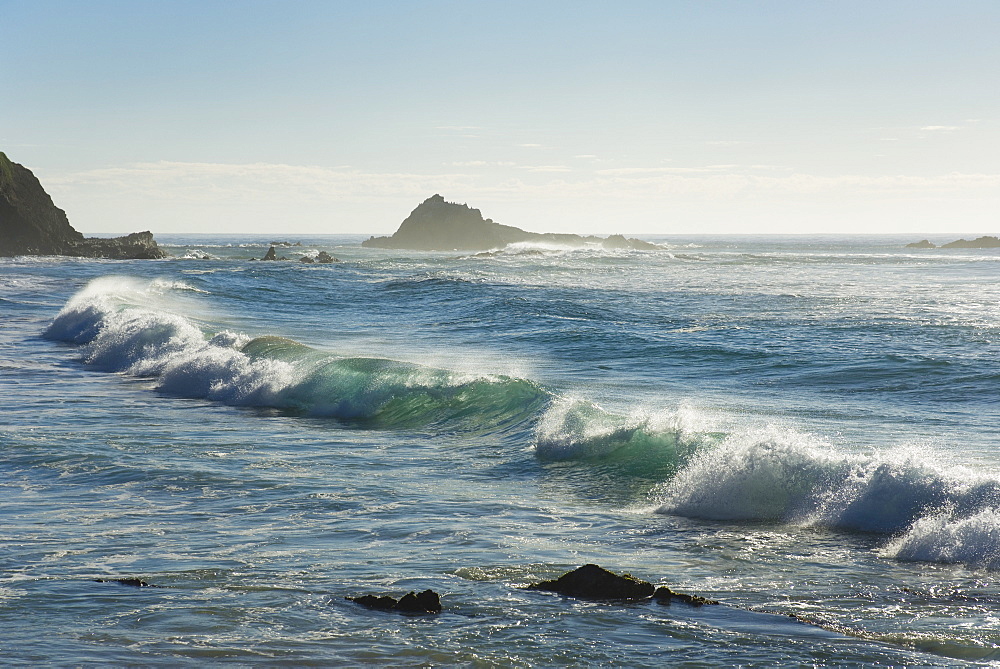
x: 793, y: 426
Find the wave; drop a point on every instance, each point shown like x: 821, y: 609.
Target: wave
x: 932, y: 511
x: 927, y: 510
x: 125, y: 326
x: 953, y: 538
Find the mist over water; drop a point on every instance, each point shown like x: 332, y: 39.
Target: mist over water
x: 759, y: 420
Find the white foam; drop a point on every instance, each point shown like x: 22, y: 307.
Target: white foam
x: 972, y: 540
x: 782, y: 475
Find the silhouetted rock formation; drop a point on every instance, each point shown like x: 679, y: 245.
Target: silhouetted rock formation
x: 322, y: 258
x: 270, y: 255
x: 985, y: 242
x: 30, y: 224
x: 665, y: 595
x: 922, y: 244
x: 131, y: 582
x: 427, y: 601
x: 437, y: 225
x: 593, y: 582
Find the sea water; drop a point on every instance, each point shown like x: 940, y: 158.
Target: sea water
x: 803, y: 428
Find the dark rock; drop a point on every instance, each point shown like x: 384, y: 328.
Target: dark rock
x: 384, y: 603
x: 922, y: 244
x: 31, y: 224
x: 985, y: 242
x: 593, y: 582
x: 325, y: 258
x: 665, y: 595
x: 619, y: 242
x: 270, y: 255
x: 436, y: 225
x: 131, y: 582
x: 427, y: 601
x: 136, y: 246
x: 306, y: 259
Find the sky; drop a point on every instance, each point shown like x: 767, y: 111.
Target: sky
x: 656, y: 118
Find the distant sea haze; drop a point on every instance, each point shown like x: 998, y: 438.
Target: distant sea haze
x: 756, y: 420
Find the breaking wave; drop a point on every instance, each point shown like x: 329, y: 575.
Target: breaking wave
x: 927, y: 510
x: 931, y: 511
x: 126, y: 326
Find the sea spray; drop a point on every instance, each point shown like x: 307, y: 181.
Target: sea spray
x: 946, y: 537
x: 782, y: 475
x: 125, y: 325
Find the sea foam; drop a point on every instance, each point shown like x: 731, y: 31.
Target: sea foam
x: 933, y: 511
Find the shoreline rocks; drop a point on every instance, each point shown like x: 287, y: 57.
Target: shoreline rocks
x: 32, y: 225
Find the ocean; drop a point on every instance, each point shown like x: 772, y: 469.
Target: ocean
x: 803, y: 428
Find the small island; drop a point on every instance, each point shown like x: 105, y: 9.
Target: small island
x: 437, y: 225
x: 31, y: 224
x: 984, y: 242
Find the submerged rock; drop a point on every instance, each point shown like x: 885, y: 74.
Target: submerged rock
x: 427, y: 601
x: 593, y: 582
x: 436, y: 225
x: 31, y: 224
x: 131, y: 582
x: 665, y: 595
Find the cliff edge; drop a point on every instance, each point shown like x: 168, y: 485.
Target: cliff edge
x: 31, y: 224
x: 437, y: 225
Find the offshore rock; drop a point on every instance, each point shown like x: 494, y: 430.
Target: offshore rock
x: 436, y: 225
x: 131, y: 582
x: 922, y: 244
x: 31, y: 224
x: 270, y: 255
x: 593, y: 582
x: 666, y: 596
x: 427, y: 601
x: 985, y: 242
x: 325, y: 258
x: 322, y: 258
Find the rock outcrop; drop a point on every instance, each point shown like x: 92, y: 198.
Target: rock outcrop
x: 593, y: 582
x: 31, y: 224
x: 985, y: 242
x: 437, y: 225
x: 323, y: 258
x: 427, y: 601
x: 596, y: 583
x: 130, y: 582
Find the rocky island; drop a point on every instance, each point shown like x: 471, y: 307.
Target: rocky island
x: 437, y: 225
x: 984, y: 242
x: 31, y: 224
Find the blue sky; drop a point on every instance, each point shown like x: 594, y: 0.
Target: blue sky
x: 593, y: 117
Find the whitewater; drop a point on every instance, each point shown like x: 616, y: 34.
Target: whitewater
x: 804, y: 428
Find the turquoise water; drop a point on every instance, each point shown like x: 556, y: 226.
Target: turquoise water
x: 796, y: 426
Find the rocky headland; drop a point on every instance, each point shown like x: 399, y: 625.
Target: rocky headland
x: 437, y: 225
x: 31, y: 224
x: 984, y: 242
